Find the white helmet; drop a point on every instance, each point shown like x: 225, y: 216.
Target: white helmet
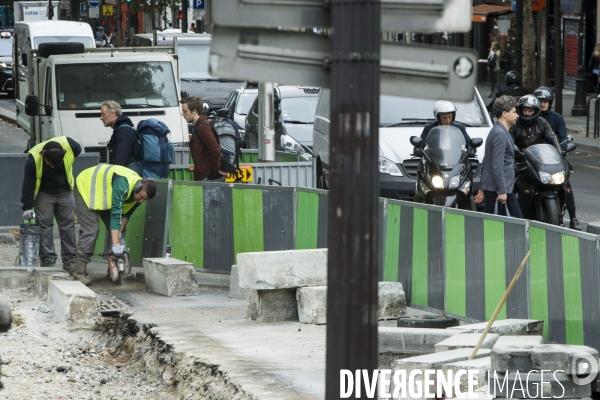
x: 444, y: 107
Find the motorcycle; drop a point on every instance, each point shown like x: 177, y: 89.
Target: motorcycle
x: 444, y: 175
x: 541, y: 183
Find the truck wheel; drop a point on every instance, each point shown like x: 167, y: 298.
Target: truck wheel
x: 48, y: 49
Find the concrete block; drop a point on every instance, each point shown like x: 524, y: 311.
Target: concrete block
x: 466, y: 340
x: 529, y: 339
x: 170, y: 277
x: 392, y: 300
x: 235, y: 290
x: 282, y: 269
x: 7, y: 238
x: 16, y: 277
x: 432, y: 362
x: 272, y: 305
x: 211, y: 279
x: 481, y: 365
x: 505, y: 327
x: 312, y: 305
x: 411, y: 340
x: 73, y: 301
x: 554, y: 357
x: 551, y: 384
x: 593, y: 228
x: 42, y: 276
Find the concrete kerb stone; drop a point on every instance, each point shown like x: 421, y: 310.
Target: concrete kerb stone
x: 312, y: 305
x: 72, y: 301
x: 282, y: 269
x: 272, y: 305
x: 528, y: 339
x: 170, y: 277
x: 7, y: 238
x: 16, y: 277
x: 481, y: 365
x: 42, y: 276
x: 593, y: 228
x: 392, y: 300
x: 504, y: 327
x: 235, y: 291
x: 411, y: 340
x: 431, y: 362
x: 466, y: 340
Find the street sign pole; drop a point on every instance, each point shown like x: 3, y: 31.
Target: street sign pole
x: 354, y: 189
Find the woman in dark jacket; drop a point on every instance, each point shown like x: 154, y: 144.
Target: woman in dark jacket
x: 593, y: 67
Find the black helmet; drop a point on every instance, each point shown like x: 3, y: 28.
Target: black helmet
x: 545, y: 93
x: 512, y: 78
x: 528, y: 101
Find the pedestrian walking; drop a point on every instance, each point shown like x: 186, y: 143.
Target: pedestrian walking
x: 123, y: 147
x: 48, y: 189
x: 498, y: 177
x: 594, y: 67
x: 111, y: 193
x: 493, y: 65
x: 193, y: 27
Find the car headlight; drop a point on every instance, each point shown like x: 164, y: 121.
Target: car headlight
x: 454, y: 182
x: 545, y: 177
x: 4, y: 66
x: 558, y: 178
x: 388, y: 167
x: 437, y: 182
x: 288, y: 143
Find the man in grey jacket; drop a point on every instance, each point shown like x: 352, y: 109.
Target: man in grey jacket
x: 498, y: 178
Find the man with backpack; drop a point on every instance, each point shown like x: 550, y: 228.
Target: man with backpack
x: 204, y: 145
x: 123, y: 147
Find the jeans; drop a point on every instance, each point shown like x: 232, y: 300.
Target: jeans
x: 62, y: 207
x: 489, y: 204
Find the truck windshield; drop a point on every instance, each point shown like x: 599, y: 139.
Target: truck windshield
x: 132, y: 85
x: 87, y: 41
x: 193, y: 62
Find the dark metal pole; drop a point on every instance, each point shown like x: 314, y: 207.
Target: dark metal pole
x: 579, y: 105
x: 184, y: 16
x: 354, y: 189
x: 519, y: 36
x: 128, y: 24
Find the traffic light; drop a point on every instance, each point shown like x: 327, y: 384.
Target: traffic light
x: 277, y: 107
x: 129, y: 1
x: 180, y: 14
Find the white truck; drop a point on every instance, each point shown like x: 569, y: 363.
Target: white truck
x: 68, y: 83
x: 30, y: 11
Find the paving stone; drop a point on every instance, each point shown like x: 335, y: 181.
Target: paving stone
x: 481, y: 365
x: 73, y: 301
x: 392, y: 300
x: 235, y: 291
x: 593, y: 228
x: 527, y: 339
x: 411, y: 340
x: 282, y: 269
x: 170, y: 276
x: 554, y: 357
x: 466, y: 340
x: 525, y: 385
x: 432, y: 362
x: 505, y: 327
x: 312, y: 304
x: 272, y: 305
x: 16, y: 277
x: 42, y: 276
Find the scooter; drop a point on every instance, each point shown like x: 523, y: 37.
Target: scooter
x: 444, y: 175
x: 118, y: 266
x: 541, y: 183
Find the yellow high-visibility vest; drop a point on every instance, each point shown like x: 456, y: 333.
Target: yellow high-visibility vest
x: 95, y: 186
x: 39, y: 161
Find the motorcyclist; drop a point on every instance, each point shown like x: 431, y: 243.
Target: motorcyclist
x: 512, y: 88
x: 558, y: 125
x: 529, y: 128
x: 445, y: 114
x: 100, y: 37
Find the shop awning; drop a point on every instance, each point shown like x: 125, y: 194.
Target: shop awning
x: 481, y: 11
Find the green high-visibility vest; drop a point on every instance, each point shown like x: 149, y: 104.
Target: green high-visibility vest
x: 95, y: 186
x: 39, y: 161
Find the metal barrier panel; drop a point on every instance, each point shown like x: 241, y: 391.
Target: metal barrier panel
x: 183, y: 174
x: 156, y: 218
x: 565, y: 284
x: 187, y: 221
x: 248, y: 233
x: 483, y: 253
x: 218, y: 239
x: 278, y: 218
x: 11, y: 181
x: 297, y: 174
x: 312, y: 207
x: 391, y: 244
x: 135, y: 234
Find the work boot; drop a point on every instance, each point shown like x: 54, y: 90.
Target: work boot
x: 68, y: 266
x: 48, y: 262
x: 575, y: 224
x: 80, y: 272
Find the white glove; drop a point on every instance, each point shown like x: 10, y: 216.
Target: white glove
x: 28, y: 214
x: 117, y: 250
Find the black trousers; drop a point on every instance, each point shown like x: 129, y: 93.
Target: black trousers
x: 489, y: 203
x: 570, y: 201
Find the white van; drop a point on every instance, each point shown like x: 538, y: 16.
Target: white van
x: 399, y: 119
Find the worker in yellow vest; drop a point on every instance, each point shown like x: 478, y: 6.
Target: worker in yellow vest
x: 112, y: 193
x: 48, y: 189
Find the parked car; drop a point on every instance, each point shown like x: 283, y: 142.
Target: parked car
x: 193, y: 51
x: 295, y: 132
x: 399, y: 119
x: 6, y: 49
x: 238, y: 104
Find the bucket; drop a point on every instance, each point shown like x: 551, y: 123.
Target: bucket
x: 29, y: 245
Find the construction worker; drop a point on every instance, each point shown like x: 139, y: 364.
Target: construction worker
x: 48, y: 188
x: 111, y: 192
